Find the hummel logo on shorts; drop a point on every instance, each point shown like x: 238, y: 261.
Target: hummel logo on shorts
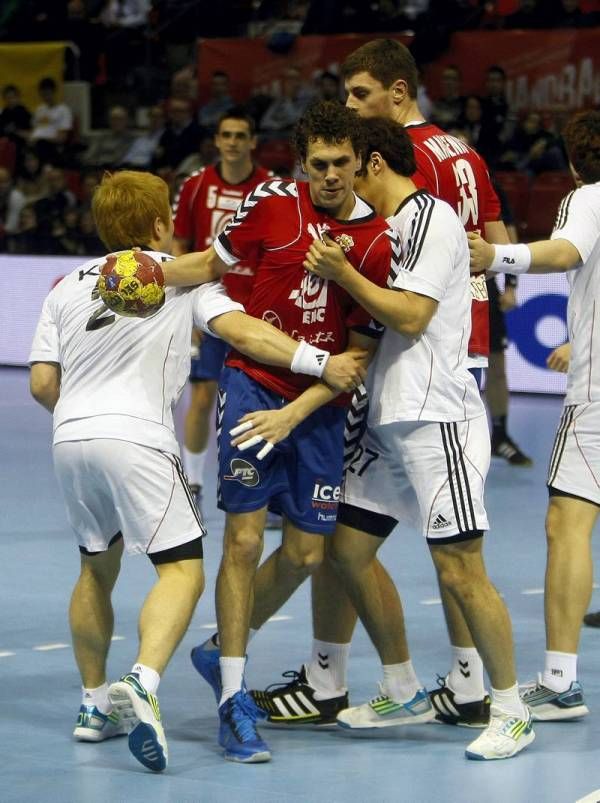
x: 440, y: 522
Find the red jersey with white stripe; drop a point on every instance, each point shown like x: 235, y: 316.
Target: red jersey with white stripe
x: 204, y: 206
x: 457, y: 174
x: 272, y: 231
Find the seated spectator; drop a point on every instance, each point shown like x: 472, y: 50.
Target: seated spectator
x: 12, y: 202
x: 180, y: 137
x: 206, y: 154
x: 328, y: 86
x: 52, y: 123
x: 471, y: 119
x: 142, y: 149
x: 31, y: 177
x: 498, y: 120
x: 125, y: 24
x: 15, y: 119
x: 285, y: 110
x: 448, y: 110
x: 27, y: 239
x: 533, y: 149
x: 219, y: 102
x: 91, y: 243
x: 52, y: 207
x: 65, y: 234
x: 89, y: 181
x: 109, y: 149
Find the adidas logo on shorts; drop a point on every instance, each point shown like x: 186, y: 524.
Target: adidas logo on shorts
x: 440, y: 522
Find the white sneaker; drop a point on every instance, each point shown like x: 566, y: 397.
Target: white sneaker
x: 139, y: 710
x: 384, y: 712
x: 94, y: 726
x: 504, y: 737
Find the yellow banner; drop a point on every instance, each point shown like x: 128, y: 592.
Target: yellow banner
x: 24, y: 65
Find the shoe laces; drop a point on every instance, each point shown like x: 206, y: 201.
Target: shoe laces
x: 297, y: 678
x: 243, y: 716
x: 532, y: 686
x: 441, y: 681
x: 381, y: 696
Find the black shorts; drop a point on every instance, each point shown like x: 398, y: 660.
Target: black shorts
x: 498, y: 334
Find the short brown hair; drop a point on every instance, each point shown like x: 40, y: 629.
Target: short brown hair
x: 386, y: 60
x: 125, y: 206
x: 331, y: 122
x: 389, y: 139
x: 582, y: 141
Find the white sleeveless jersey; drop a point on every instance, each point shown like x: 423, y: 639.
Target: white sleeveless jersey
x: 426, y: 378
x: 578, y: 221
x: 121, y: 377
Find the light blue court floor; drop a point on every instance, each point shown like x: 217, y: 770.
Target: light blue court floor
x: 39, y: 686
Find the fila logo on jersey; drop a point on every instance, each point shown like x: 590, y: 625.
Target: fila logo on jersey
x: 244, y: 472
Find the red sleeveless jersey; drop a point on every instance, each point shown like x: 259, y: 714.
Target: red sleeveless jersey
x: 457, y: 174
x: 272, y: 231
x: 204, y: 206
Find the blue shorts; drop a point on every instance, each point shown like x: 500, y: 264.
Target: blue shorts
x: 300, y: 478
x: 209, y: 362
x: 478, y: 374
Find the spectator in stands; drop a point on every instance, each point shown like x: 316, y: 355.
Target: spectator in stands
x: 109, y: 149
x: 89, y: 181
x: 180, y: 137
x: 529, y: 15
x: 31, y: 177
x: 533, y: 149
x: 205, y: 154
x: 124, y: 22
x: 142, y: 149
x: 498, y: 120
x: 88, y: 35
x: 220, y: 101
x: 52, y: 123
x: 448, y: 110
x: 91, y: 243
x: 284, y: 111
x: 53, y: 206
x: 471, y: 120
x: 26, y: 239
x: 568, y: 14
x: 65, y: 234
x: 328, y: 86
x: 15, y: 119
x: 12, y: 202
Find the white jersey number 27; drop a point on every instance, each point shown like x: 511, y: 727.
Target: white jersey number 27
x: 468, y: 206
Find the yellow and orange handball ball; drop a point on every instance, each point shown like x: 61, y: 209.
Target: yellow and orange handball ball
x: 131, y: 284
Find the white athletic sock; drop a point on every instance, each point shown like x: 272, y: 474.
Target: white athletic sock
x: 509, y: 701
x: 97, y: 697
x: 400, y: 681
x: 466, y: 676
x: 193, y: 463
x: 149, y: 678
x: 326, y: 672
x: 232, y: 677
x: 560, y: 670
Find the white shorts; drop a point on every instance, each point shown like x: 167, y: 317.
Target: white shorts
x: 428, y: 474
x: 575, y: 461
x: 113, y: 486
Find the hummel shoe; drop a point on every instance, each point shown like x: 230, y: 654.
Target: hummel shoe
x: 468, y: 715
x: 294, y: 704
x: 139, y: 710
x: 508, y: 449
x: 206, y: 662
x: 504, y: 737
x: 94, y: 726
x: 237, y: 730
x: 547, y: 705
x: 383, y: 712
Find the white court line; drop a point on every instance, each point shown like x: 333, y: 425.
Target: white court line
x: 47, y: 647
x: 209, y: 626
x: 280, y: 618
x: 6, y: 653
x: 593, y: 797
x: 118, y: 638
x: 531, y: 591
x: 431, y: 601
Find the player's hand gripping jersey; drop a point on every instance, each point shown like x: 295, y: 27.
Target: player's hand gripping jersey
x: 457, y: 174
x: 272, y: 231
x: 203, y: 208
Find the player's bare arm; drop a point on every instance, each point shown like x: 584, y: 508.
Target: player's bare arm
x: 192, y: 269
x: 44, y: 383
x: 272, y: 426
x: 405, y: 312
x: 544, y: 256
x: 181, y: 246
x: 266, y: 344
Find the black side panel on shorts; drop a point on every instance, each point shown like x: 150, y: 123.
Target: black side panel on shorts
x: 366, y: 520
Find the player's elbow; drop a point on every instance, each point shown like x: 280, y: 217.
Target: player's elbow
x: 44, y: 386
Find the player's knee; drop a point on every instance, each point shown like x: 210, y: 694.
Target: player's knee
x: 553, y: 524
x: 243, y: 546
x: 303, y: 557
x: 459, y: 572
x: 188, y: 574
x: 343, y: 557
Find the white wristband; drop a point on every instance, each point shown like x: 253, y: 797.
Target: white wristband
x: 309, y: 360
x: 511, y: 259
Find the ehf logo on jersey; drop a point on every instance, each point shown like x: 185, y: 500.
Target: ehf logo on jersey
x: 312, y: 294
x: 244, y: 472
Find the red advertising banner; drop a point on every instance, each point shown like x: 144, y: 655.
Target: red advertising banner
x: 546, y: 70
x: 253, y: 68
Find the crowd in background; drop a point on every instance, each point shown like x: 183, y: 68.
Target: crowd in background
x: 50, y: 170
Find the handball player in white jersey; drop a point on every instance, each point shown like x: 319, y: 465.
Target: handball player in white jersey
x: 574, y: 471
x: 112, y: 384
x: 426, y: 450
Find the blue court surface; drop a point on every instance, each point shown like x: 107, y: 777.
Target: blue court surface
x: 39, y: 685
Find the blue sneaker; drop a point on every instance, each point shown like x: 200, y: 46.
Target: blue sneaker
x: 546, y: 705
x: 206, y: 662
x: 94, y: 726
x: 140, y: 711
x: 237, y: 730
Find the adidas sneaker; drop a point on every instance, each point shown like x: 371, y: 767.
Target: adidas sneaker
x: 384, y: 712
x: 547, y: 705
x: 139, y: 710
x: 94, y: 726
x: 504, y: 737
x: 468, y: 715
x: 294, y: 704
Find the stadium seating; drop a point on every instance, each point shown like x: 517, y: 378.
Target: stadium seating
x: 547, y: 191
